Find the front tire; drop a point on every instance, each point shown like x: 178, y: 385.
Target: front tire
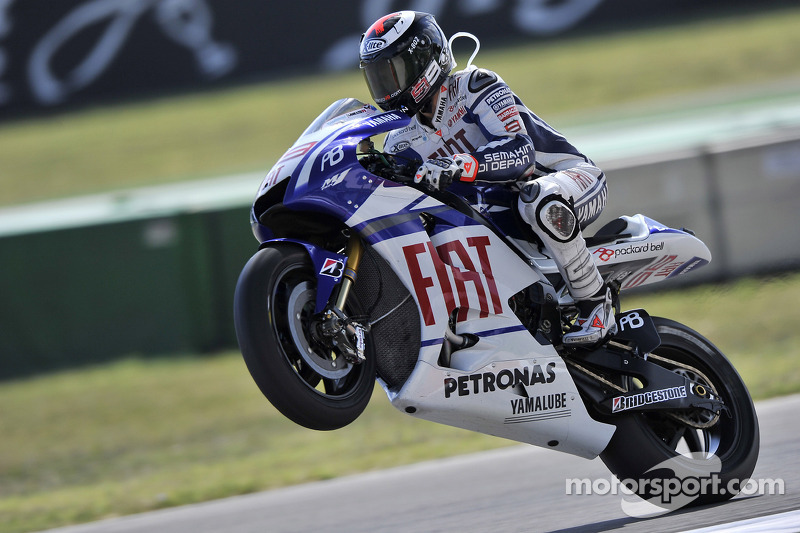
x: 274, y: 306
x: 644, y: 441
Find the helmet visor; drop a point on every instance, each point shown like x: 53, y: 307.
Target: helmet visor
x: 387, y: 78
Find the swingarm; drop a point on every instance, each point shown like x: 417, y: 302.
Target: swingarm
x: 622, y: 375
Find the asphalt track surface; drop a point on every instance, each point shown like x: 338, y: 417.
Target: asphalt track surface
x: 516, y: 489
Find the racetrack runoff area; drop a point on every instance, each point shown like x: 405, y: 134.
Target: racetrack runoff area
x: 725, y: 164
x: 518, y: 488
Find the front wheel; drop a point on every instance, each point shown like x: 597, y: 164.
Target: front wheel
x: 274, y: 308
x: 691, y: 457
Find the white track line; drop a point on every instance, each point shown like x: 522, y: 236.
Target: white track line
x: 788, y: 522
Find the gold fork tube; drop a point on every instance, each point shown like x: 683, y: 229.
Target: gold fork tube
x: 354, y: 253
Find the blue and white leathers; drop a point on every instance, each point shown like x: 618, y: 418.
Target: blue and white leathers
x: 477, y: 114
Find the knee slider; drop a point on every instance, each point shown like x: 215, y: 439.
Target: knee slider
x: 557, y: 219
x: 543, y: 205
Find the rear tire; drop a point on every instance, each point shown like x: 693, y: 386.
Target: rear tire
x: 273, y: 307
x: 644, y: 440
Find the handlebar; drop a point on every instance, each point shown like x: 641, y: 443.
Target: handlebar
x: 388, y: 167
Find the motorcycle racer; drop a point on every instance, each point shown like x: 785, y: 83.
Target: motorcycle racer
x: 470, y: 126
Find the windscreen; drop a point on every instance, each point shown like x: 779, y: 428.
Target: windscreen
x: 339, y: 112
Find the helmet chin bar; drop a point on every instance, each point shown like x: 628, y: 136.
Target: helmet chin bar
x: 427, y: 104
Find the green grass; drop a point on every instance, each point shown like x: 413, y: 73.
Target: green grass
x: 246, y: 129
x: 135, y: 436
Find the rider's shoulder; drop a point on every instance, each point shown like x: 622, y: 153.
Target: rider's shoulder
x: 476, y: 80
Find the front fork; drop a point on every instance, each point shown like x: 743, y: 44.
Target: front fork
x: 343, y: 333
x: 354, y: 252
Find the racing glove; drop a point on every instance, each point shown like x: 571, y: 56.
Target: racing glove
x: 440, y: 173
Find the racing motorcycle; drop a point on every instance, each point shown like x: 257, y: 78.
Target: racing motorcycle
x: 447, y: 300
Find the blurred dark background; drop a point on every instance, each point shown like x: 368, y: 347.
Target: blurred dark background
x: 58, y: 54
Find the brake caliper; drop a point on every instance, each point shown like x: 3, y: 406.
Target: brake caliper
x: 345, y: 335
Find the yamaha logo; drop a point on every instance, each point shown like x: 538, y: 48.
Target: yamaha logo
x: 373, y: 45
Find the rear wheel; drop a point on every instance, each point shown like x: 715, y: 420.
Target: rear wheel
x: 303, y: 378
x: 684, y: 450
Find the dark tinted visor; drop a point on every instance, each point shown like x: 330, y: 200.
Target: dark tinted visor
x: 386, y: 78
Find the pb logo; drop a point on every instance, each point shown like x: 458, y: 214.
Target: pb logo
x: 332, y: 157
x: 631, y: 321
x: 332, y: 268
x: 604, y: 254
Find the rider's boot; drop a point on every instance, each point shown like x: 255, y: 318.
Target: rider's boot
x: 595, y: 320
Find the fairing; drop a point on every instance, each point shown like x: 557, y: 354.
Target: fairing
x: 461, y: 266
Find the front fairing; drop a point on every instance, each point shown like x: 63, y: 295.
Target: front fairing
x: 321, y: 172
